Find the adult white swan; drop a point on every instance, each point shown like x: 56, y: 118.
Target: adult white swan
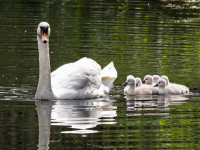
x: 79, y: 80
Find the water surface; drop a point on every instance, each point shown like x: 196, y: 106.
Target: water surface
x: 140, y: 37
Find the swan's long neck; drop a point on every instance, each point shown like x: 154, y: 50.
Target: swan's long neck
x: 44, y: 90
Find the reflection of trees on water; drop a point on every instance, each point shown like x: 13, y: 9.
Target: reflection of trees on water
x: 80, y: 115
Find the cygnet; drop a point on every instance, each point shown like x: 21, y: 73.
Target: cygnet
x: 164, y: 89
x: 156, y: 78
x: 131, y: 89
x: 183, y: 88
x: 127, y: 86
x: 139, y: 82
x: 148, y: 79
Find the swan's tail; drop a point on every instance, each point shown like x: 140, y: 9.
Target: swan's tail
x: 108, y: 75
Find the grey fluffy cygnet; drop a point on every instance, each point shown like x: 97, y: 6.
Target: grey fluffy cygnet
x: 148, y: 80
x: 127, y: 86
x: 183, y: 88
x: 139, y: 82
x: 156, y: 78
x: 131, y: 89
x: 164, y: 89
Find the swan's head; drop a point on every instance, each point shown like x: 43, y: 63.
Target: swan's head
x: 43, y: 32
x: 148, y: 79
x: 138, y: 82
x: 130, y: 81
x: 161, y: 83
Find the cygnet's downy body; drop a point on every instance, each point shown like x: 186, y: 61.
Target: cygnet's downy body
x: 164, y: 89
x: 127, y: 86
x: 148, y: 80
x: 183, y: 88
x: 131, y: 89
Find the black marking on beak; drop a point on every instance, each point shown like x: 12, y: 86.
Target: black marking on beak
x: 125, y: 83
x: 156, y: 85
x: 44, y: 29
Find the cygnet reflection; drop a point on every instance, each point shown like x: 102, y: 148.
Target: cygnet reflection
x: 152, y: 102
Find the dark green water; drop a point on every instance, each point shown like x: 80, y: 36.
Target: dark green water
x: 140, y: 37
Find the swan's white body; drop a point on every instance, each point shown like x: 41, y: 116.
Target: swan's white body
x: 79, y: 80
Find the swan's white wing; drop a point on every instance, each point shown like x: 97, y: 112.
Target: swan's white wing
x: 108, y: 75
x: 81, y: 79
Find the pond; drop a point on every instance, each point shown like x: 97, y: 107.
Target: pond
x: 140, y: 36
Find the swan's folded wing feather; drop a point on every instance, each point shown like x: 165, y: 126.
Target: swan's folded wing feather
x: 108, y: 75
x: 83, y: 76
x: 109, y: 71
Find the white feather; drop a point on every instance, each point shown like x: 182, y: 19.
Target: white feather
x: 79, y: 80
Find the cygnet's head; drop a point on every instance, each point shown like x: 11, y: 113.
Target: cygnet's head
x: 148, y: 79
x: 160, y: 83
x: 156, y: 78
x: 138, y: 82
x: 129, y: 76
x: 166, y: 79
x: 43, y: 32
x: 130, y: 81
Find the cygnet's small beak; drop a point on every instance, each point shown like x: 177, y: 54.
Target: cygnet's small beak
x: 156, y: 85
x: 143, y: 81
x: 125, y: 83
x: 136, y: 84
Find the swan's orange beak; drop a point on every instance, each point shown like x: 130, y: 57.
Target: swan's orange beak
x: 44, y: 36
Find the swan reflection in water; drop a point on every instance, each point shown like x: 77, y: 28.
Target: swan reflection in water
x: 152, y: 102
x: 80, y: 115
